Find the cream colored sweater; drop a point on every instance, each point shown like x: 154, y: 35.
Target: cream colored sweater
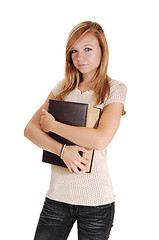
x: 90, y: 189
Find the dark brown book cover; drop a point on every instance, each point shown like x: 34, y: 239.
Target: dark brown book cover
x: 75, y: 114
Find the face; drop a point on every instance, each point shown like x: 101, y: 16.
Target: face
x: 86, y: 54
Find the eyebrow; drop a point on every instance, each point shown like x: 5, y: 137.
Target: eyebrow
x: 88, y: 44
x: 85, y: 45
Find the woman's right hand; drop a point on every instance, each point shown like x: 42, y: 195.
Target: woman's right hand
x: 73, y: 159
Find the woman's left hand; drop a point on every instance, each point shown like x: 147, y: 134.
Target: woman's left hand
x: 46, y: 121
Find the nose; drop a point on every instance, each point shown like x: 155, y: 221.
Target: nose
x: 79, y: 56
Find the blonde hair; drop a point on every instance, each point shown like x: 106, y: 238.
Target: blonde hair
x: 100, y: 81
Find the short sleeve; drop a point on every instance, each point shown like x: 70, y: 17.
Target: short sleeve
x: 118, y: 92
x: 57, y: 88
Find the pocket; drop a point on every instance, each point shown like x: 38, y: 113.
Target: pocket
x: 107, y: 211
x: 52, y: 212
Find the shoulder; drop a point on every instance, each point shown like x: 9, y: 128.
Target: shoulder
x: 118, y: 92
x: 57, y: 87
x: 115, y: 84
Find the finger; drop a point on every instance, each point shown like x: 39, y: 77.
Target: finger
x: 44, y: 111
x: 82, y: 167
x: 75, y: 169
x: 41, y: 122
x: 79, y: 165
x: 82, y: 149
x: 42, y: 117
x: 83, y: 160
x: 70, y: 169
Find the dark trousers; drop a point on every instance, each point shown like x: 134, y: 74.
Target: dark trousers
x: 57, y: 218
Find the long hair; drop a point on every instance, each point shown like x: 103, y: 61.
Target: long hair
x: 100, y: 81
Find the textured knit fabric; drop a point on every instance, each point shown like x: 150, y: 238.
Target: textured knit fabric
x: 90, y: 189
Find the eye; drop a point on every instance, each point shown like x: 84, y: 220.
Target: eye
x: 88, y: 49
x: 73, y: 51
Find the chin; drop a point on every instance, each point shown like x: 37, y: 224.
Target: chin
x: 86, y: 71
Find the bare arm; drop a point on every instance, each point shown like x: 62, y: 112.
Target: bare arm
x: 90, y: 138
x: 34, y: 133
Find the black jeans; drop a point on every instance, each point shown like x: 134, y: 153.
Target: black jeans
x: 57, y: 218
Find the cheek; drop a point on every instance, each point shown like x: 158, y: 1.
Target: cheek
x: 99, y: 57
x: 96, y: 60
x: 73, y: 60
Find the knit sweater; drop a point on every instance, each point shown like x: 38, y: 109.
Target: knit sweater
x: 89, y: 189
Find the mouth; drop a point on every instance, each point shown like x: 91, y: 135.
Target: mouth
x: 82, y: 65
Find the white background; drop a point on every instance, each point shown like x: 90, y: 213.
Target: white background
x: 32, y: 45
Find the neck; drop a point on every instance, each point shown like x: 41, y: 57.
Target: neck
x: 87, y: 78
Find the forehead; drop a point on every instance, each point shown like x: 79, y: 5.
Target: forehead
x: 87, y: 39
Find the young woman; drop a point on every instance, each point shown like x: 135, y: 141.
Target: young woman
x: 75, y: 195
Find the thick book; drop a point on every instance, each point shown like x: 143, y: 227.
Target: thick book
x: 75, y: 114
